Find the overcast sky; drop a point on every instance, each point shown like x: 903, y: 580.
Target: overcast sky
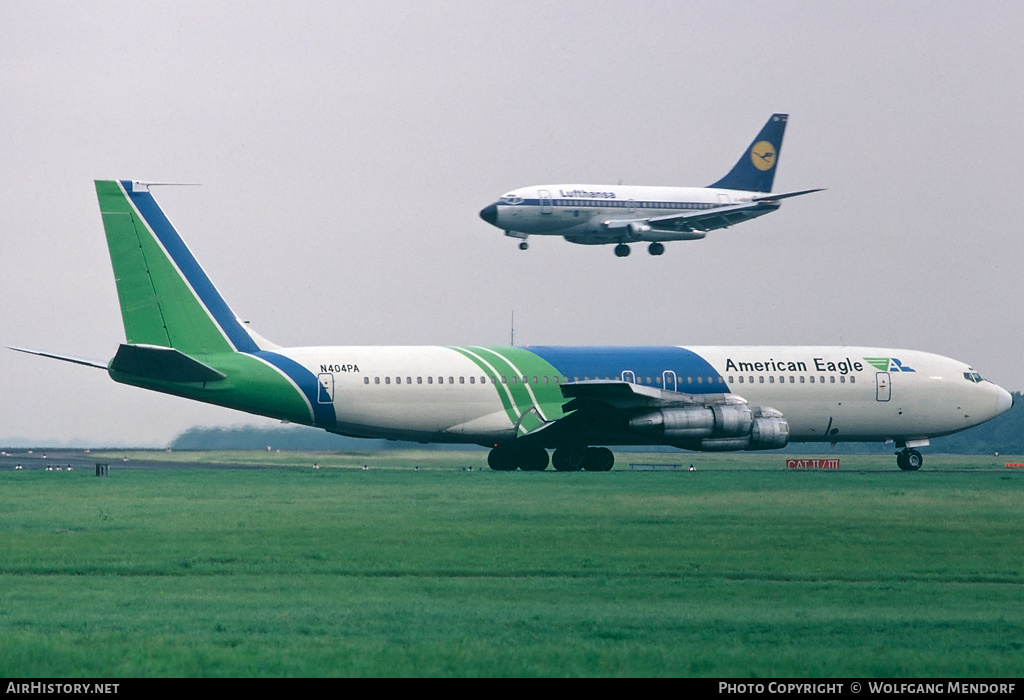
x: 344, y: 151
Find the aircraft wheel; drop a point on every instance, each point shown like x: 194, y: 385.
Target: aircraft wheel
x: 569, y: 459
x: 622, y: 250
x: 500, y: 460
x: 524, y: 245
x: 656, y: 248
x: 534, y: 460
x: 598, y: 459
x: 909, y: 460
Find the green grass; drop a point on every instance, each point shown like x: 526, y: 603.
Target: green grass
x: 738, y: 569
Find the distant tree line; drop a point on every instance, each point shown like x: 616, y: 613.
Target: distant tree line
x: 1004, y: 434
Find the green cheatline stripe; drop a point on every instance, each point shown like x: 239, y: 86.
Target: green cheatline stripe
x: 532, y: 406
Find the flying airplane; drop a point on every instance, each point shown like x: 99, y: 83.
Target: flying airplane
x: 621, y: 214
x: 183, y: 339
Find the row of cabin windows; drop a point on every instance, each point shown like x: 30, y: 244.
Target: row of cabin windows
x: 471, y: 380
x: 761, y: 379
x: 629, y: 204
x: 793, y: 379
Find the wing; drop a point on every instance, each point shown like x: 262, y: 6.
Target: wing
x: 707, y: 219
x: 619, y: 396
x: 637, y: 414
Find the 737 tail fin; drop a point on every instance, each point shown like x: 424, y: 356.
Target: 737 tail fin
x: 755, y: 170
x: 166, y: 298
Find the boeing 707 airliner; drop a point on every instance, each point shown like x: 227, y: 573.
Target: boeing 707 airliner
x: 183, y: 339
x: 604, y: 214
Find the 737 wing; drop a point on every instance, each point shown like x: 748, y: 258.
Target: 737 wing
x: 707, y: 219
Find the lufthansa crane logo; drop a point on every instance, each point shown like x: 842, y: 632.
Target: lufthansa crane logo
x: 762, y: 155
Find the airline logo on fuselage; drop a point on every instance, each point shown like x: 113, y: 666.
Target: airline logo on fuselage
x: 580, y: 194
x: 888, y: 364
x: 819, y: 364
x: 762, y: 155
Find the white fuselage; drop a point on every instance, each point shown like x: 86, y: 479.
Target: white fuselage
x: 596, y: 214
x: 483, y: 395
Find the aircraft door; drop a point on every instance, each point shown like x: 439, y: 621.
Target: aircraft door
x: 668, y: 380
x: 883, y: 390
x: 545, y: 201
x: 325, y: 388
x: 629, y: 375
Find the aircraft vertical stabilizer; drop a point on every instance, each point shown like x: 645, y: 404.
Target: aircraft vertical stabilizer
x: 166, y: 298
x: 755, y: 170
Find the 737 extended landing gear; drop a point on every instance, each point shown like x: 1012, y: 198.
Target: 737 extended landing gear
x: 909, y: 460
x: 622, y: 250
x: 524, y: 245
x: 656, y: 248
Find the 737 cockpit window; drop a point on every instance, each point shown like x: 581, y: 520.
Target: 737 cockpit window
x: 511, y: 199
x: 973, y: 377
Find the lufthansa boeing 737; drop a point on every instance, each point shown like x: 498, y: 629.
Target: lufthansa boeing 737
x: 604, y: 214
x: 183, y: 339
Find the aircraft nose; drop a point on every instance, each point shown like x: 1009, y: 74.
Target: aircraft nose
x: 490, y: 214
x: 1004, y: 400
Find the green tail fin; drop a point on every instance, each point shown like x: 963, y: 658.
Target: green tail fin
x: 166, y: 298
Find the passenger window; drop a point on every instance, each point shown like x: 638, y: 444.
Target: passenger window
x: 472, y: 380
x: 853, y: 380
x: 387, y: 380
x: 366, y: 380
x: 430, y: 380
x: 771, y: 380
x: 376, y: 380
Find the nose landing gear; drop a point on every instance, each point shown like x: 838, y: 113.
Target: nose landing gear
x: 909, y: 460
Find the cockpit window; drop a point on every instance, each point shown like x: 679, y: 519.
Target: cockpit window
x: 511, y: 199
x: 973, y: 377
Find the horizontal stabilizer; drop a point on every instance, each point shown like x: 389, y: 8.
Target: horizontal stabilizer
x: 166, y: 364
x: 787, y: 195
x: 66, y: 358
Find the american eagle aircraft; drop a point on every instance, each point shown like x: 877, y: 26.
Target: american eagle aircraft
x: 183, y: 339
x: 604, y: 214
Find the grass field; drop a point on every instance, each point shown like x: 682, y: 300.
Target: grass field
x: 740, y: 568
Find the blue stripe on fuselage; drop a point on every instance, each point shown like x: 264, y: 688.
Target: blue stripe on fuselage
x: 323, y: 413
x: 594, y: 362
x: 190, y: 268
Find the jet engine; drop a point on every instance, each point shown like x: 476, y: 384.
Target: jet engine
x: 722, y: 427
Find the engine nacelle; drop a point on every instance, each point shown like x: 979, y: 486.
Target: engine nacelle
x: 719, y: 428
x: 637, y: 229
x: 726, y: 420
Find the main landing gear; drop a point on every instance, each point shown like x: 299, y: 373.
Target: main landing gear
x: 909, y: 460
x: 622, y: 250
x: 524, y: 245
x: 506, y: 458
